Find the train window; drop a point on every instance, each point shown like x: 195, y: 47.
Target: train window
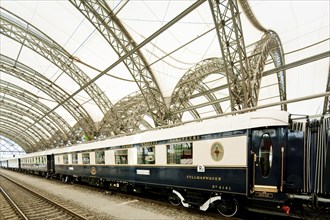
x: 65, y: 159
x: 85, y: 158
x: 179, y: 153
x: 146, y: 155
x: 121, y: 157
x: 265, y: 154
x: 99, y: 157
x: 74, y: 158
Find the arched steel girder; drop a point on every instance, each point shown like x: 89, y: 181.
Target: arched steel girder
x: 8, y: 89
x: 123, y: 107
x: 133, y: 109
x: 27, y: 114
x: 12, y: 126
x: 230, y: 35
x: 185, y: 89
x: 52, y: 121
x: 250, y: 15
x: 186, y: 105
x: 24, y: 142
x: 24, y: 73
x: 18, y: 123
x: 191, y: 81
x: 269, y: 45
x: 276, y: 53
x: 107, y: 23
x: 29, y: 36
x: 203, y: 91
x: 53, y: 134
x: 13, y: 119
x: 4, y: 137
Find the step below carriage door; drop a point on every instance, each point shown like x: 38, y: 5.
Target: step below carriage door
x: 267, y: 160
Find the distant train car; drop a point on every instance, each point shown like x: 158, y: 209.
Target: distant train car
x: 4, y: 163
x: 14, y: 164
x: 40, y: 163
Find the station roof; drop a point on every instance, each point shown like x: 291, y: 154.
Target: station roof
x: 78, y: 70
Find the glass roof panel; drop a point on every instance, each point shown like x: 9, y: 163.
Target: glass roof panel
x: 67, y: 39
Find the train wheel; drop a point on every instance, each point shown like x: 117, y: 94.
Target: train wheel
x: 174, y: 199
x: 227, y: 207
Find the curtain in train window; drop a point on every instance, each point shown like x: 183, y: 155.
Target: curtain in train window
x: 74, y: 158
x: 265, y: 154
x: 179, y: 153
x: 85, y: 158
x: 121, y: 157
x: 65, y: 159
x: 146, y: 155
x: 99, y: 157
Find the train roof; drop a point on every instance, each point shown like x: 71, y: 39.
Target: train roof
x: 36, y: 154
x: 222, y: 124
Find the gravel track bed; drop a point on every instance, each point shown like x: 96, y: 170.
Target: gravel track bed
x: 7, y: 212
x: 33, y: 206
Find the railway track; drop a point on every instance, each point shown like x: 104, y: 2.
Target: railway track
x: 8, y: 211
x: 20, y: 202
x: 149, y: 202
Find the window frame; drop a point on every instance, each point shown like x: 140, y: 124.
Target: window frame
x: 178, y: 156
x: 145, y: 155
x: 97, y: 159
x: 265, y: 155
x: 121, y: 156
x: 83, y: 158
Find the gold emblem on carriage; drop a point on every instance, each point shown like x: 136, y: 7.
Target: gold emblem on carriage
x: 93, y: 170
x: 217, y: 151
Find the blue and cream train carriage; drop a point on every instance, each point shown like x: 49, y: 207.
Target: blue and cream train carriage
x: 224, y: 162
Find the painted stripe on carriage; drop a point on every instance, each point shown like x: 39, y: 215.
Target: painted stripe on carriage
x: 143, y: 172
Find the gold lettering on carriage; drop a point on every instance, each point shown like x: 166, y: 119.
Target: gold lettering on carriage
x: 220, y: 187
x: 212, y: 178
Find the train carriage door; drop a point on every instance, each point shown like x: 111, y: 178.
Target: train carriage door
x: 50, y: 164
x: 267, y: 161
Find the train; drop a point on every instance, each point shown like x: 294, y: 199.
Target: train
x: 265, y: 161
